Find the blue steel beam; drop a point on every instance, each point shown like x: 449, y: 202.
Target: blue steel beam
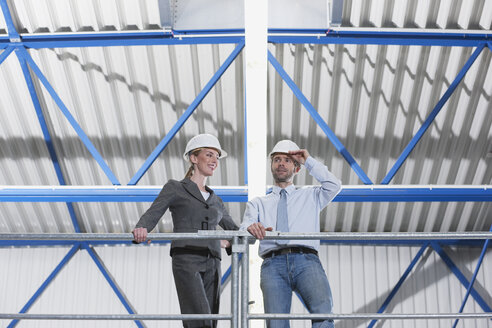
x: 406, y: 152
x: 461, y: 277
x: 189, y: 111
x: 46, y: 134
x: 47, y: 282
x: 109, y: 278
x: 475, y: 273
x: 319, y: 120
x: 22, y: 53
x: 240, y: 194
x: 13, y: 34
x: 149, y: 38
x: 380, y: 37
x: 400, y: 282
x: 6, y: 53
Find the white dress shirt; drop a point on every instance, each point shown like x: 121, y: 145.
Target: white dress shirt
x: 303, y: 207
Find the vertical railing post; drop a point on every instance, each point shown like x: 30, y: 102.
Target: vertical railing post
x: 245, y: 284
x: 235, y: 283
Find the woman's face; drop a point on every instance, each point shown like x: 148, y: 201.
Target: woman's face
x: 206, y: 161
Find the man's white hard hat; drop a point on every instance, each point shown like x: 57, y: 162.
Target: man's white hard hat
x: 203, y: 141
x: 284, y: 146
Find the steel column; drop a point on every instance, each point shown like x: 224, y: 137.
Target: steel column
x: 47, y: 282
x: 245, y: 285
x: 319, y: 120
x: 164, y: 142
x: 408, y: 149
x: 235, y: 283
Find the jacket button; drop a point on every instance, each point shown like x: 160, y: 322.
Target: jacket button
x: 206, y: 206
x: 206, y: 218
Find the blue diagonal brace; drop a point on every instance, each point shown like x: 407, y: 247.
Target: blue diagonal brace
x: 400, y: 282
x: 461, y: 277
x: 47, y: 137
x: 111, y: 281
x: 13, y: 34
x: 408, y: 149
x: 319, y: 120
x: 22, y: 52
x: 5, y: 54
x: 470, y: 286
x: 47, y: 282
x: 181, y: 121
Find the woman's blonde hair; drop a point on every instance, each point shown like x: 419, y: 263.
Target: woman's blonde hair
x: 195, y: 152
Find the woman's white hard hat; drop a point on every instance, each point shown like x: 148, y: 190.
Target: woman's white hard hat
x: 284, y: 146
x: 203, y: 141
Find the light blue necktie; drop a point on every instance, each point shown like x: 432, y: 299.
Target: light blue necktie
x: 282, y: 217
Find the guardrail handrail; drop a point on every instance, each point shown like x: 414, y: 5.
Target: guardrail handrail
x: 240, y: 244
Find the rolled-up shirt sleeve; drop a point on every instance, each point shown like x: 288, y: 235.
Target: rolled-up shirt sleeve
x: 251, y: 215
x: 330, y: 184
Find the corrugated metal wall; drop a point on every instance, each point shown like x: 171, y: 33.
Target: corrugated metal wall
x: 361, y: 277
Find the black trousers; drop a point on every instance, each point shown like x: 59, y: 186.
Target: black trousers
x: 197, y: 279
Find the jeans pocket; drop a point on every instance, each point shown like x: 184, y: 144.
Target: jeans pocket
x: 266, y: 262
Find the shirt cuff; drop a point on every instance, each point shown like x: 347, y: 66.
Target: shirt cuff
x: 310, y: 162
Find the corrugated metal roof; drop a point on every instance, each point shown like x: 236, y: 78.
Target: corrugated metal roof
x: 127, y: 98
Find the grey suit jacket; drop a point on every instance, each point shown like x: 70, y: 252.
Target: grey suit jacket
x: 190, y: 213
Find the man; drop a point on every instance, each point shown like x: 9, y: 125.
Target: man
x: 292, y: 265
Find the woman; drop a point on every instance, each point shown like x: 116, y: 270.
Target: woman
x: 194, y: 206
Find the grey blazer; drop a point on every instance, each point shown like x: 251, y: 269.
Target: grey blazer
x: 190, y: 213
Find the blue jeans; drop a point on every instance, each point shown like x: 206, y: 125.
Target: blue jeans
x: 301, y: 273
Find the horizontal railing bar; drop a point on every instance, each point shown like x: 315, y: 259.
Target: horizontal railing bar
x: 217, y: 234
x: 315, y: 316
x: 386, y: 316
x: 29, y: 316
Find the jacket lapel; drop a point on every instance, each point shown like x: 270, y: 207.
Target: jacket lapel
x: 212, y: 195
x: 192, y: 189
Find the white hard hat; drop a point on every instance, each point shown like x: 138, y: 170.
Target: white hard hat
x: 284, y: 146
x: 203, y: 141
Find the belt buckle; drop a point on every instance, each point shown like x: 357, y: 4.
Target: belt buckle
x: 284, y: 251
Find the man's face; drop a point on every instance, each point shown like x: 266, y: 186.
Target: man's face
x: 283, y: 168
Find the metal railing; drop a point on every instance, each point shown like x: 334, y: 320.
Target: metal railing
x: 240, y: 316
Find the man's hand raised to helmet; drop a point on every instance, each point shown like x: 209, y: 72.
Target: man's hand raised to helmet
x: 300, y: 155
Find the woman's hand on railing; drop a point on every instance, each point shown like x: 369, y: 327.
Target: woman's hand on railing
x: 225, y: 244
x: 258, y: 230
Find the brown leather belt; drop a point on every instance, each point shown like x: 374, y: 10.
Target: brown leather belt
x: 289, y: 250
